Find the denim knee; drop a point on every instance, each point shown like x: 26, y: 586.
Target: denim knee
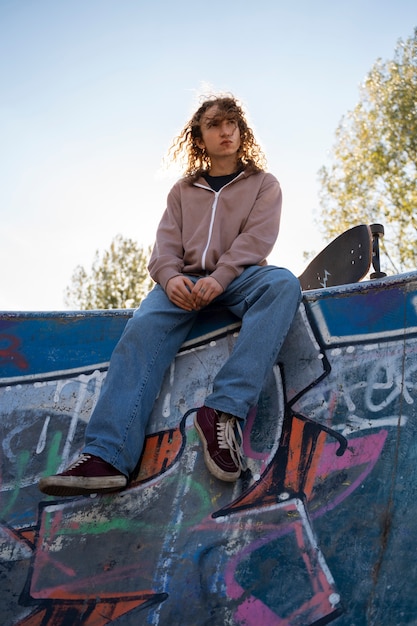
x: 282, y: 279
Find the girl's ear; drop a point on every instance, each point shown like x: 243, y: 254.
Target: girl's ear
x: 200, y: 143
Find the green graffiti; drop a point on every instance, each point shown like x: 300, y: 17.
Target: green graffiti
x: 22, y: 462
x: 54, y: 458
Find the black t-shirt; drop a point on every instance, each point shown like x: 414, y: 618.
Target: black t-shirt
x: 217, y: 182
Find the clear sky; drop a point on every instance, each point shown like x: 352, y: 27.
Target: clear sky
x: 93, y: 91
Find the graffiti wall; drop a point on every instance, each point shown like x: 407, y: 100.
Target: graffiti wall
x: 320, y: 529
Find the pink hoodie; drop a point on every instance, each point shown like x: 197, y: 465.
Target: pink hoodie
x: 220, y: 233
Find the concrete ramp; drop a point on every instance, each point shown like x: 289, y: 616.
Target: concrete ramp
x: 320, y: 529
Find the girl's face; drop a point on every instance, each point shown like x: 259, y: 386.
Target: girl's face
x: 220, y: 134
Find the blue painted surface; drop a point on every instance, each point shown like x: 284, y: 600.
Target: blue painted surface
x: 367, y: 314
x: 45, y: 342
x: 322, y: 527
x: 39, y: 343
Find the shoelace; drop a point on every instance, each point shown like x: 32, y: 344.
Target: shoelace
x: 81, y: 459
x: 227, y: 439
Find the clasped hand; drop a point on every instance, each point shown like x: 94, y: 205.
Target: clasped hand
x: 192, y: 297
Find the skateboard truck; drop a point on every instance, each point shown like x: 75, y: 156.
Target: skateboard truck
x: 377, y: 231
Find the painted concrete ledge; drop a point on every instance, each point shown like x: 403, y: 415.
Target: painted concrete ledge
x: 320, y: 529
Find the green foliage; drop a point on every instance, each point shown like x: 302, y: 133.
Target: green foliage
x: 118, y: 280
x: 373, y: 174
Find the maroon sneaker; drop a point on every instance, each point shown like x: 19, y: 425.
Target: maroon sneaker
x: 222, y: 451
x: 88, y: 474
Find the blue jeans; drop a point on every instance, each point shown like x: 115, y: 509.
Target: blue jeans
x: 265, y: 298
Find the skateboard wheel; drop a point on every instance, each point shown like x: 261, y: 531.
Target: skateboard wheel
x: 377, y: 229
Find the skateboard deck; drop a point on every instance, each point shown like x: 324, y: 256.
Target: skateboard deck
x: 346, y: 259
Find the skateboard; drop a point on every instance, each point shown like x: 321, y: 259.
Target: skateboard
x: 346, y: 259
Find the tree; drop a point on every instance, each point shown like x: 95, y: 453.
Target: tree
x: 118, y: 280
x: 373, y: 174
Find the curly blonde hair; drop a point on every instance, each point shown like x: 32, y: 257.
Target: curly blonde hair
x: 195, y: 159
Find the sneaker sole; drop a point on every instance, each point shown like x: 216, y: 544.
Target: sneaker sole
x: 228, y: 477
x: 80, y: 485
